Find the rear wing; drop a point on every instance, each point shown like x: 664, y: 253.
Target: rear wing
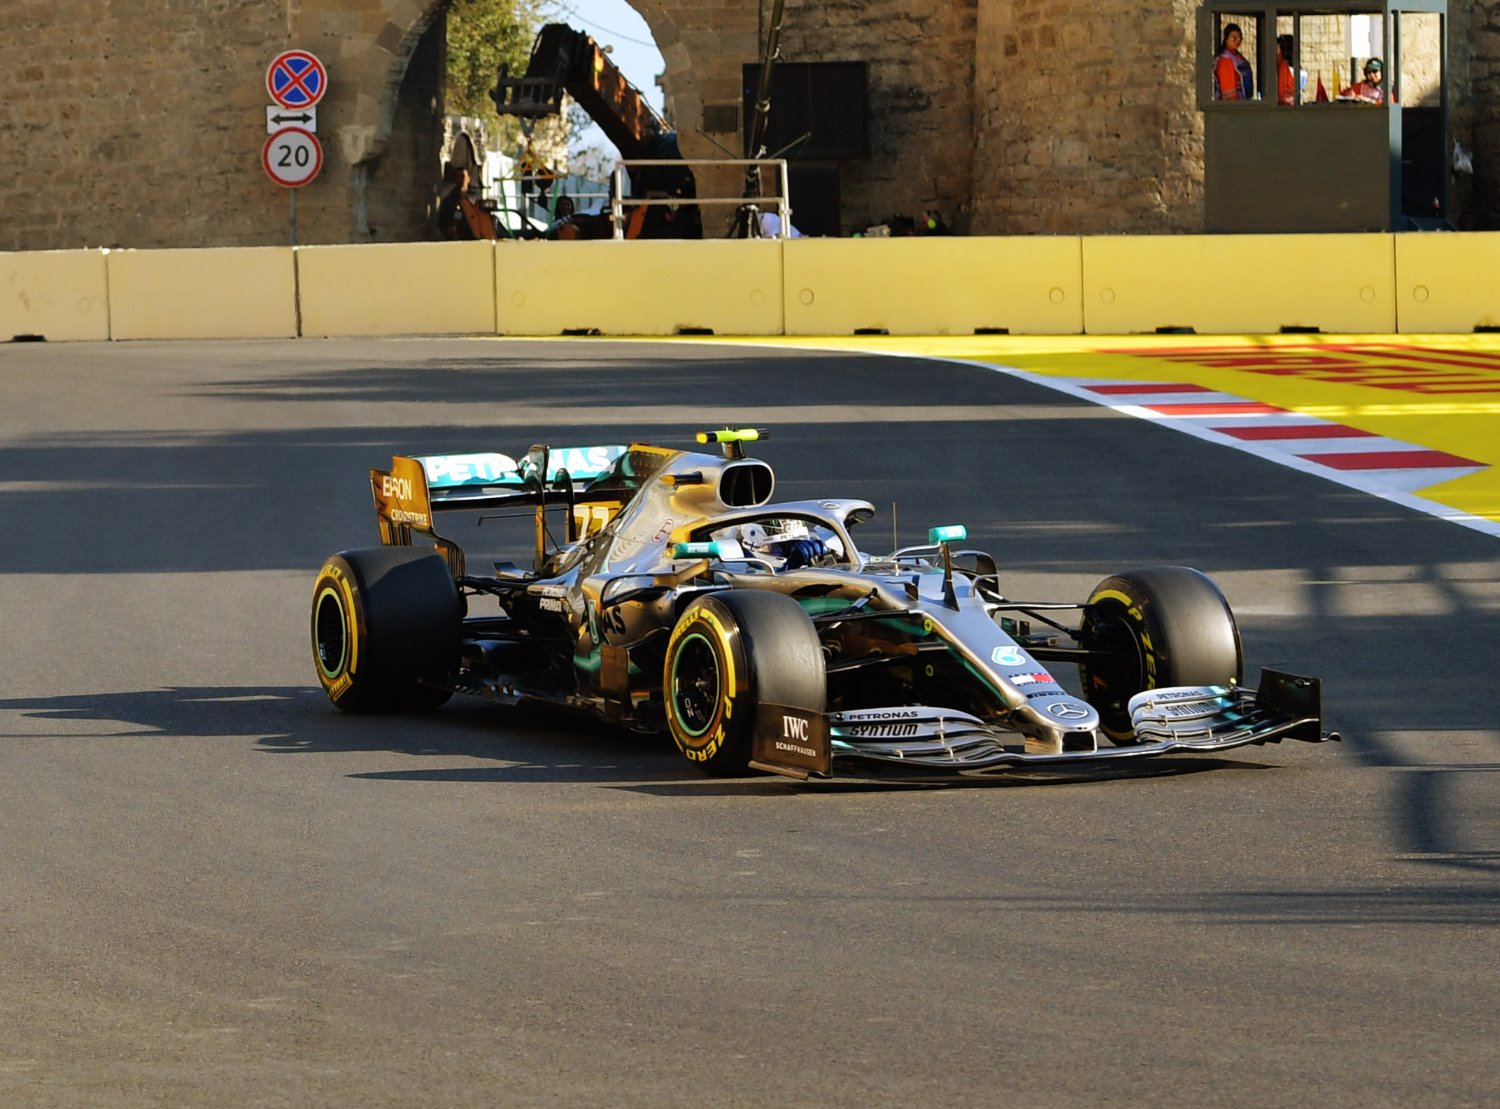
x: 415, y: 487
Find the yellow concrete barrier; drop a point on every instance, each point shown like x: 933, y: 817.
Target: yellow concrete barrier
x: 1238, y: 284
x: 55, y: 294
x: 934, y: 286
x: 1447, y: 282
x: 397, y: 289
x: 727, y: 287
x: 1101, y: 285
x: 223, y: 293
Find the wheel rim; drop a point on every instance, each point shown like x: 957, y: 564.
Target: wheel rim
x: 330, y: 634
x: 695, y: 684
x: 1113, y: 680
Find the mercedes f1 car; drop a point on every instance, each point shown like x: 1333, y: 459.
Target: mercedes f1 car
x: 667, y: 591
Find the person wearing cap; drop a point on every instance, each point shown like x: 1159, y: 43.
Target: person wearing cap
x: 1370, y: 90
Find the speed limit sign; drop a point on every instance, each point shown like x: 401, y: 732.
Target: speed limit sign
x: 292, y: 157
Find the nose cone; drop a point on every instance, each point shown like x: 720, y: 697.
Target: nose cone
x: 1057, y: 723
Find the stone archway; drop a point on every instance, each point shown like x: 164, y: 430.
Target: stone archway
x: 399, y: 71
x: 380, y: 122
x: 398, y: 91
x: 702, y: 47
x: 382, y: 70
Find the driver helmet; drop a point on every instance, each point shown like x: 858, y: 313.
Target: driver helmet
x: 752, y: 537
x: 792, y: 541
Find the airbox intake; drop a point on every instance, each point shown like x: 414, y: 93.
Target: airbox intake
x: 746, y: 484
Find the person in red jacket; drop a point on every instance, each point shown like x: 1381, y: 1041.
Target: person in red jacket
x: 1286, y: 80
x: 1370, y: 90
x: 1234, y: 79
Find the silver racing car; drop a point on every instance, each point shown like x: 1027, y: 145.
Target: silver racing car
x: 667, y: 590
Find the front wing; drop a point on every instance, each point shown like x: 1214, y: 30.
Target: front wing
x: 1185, y: 718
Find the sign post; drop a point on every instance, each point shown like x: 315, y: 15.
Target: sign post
x: 292, y: 155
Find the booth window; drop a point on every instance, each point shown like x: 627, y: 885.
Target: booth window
x: 1310, y: 57
x: 1334, y: 49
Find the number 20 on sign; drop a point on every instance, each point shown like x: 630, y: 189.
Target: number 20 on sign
x: 292, y: 157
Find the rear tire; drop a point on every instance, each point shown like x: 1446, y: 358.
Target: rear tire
x: 729, y: 653
x: 1165, y: 626
x: 385, y: 621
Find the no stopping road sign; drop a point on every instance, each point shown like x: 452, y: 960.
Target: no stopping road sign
x: 296, y: 79
x: 292, y: 157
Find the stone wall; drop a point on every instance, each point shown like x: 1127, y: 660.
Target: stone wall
x: 1009, y: 116
x: 1087, y: 120
x: 920, y: 55
x: 118, y: 130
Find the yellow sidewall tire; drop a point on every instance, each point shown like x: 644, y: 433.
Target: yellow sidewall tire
x: 1169, y: 626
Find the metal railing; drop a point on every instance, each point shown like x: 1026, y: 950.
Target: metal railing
x: 617, y: 203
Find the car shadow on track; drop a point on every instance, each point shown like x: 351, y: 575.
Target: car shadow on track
x: 1081, y: 774
x: 513, y: 744
x: 510, y: 744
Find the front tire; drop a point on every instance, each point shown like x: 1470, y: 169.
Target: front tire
x: 729, y: 653
x: 1165, y: 626
x: 385, y: 622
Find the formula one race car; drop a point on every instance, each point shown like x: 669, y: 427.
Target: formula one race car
x: 760, y: 636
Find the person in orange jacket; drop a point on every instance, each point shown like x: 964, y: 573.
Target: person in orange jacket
x: 1286, y: 80
x: 1234, y: 79
x: 1370, y: 90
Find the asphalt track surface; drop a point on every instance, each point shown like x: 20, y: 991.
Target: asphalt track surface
x: 215, y: 888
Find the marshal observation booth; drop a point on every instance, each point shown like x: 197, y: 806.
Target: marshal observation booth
x: 1329, y: 116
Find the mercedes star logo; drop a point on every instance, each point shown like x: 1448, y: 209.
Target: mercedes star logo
x: 1066, y: 710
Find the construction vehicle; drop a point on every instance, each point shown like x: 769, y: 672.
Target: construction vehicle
x: 565, y: 60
